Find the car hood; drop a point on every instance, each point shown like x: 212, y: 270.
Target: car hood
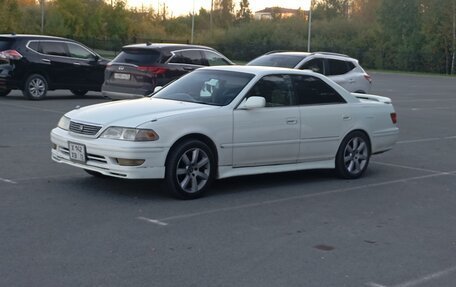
x: 132, y: 113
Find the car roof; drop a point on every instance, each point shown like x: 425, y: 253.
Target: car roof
x: 306, y: 54
x: 260, y: 70
x: 30, y: 36
x: 165, y: 46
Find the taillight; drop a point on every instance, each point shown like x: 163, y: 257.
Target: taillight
x: 393, y: 118
x: 368, y: 77
x: 152, y: 70
x: 10, y: 55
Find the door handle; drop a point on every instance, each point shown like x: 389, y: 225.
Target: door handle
x: 46, y: 60
x: 189, y: 68
x: 292, y: 121
x: 346, y: 117
x: 77, y: 64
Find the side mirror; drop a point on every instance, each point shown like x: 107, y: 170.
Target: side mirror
x: 253, y: 102
x: 157, y: 88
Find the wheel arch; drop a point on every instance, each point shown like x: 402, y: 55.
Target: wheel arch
x: 195, y: 136
x: 362, y: 131
x: 37, y: 72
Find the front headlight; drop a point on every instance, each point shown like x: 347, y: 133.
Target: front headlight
x: 129, y: 134
x: 64, y: 123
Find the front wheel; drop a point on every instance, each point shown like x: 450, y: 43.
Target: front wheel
x: 35, y: 87
x: 190, y: 169
x: 353, y: 155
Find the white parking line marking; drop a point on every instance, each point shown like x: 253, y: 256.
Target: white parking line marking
x: 429, y: 277
x: 8, y: 180
x: 427, y: 140
x: 406, y: 167
x: 158, y: 222
x: 300, y: 197
x: 418, y: 281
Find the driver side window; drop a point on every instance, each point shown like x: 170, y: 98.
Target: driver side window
x: 276, y: 89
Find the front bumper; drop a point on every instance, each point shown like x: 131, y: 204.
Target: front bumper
x: 101, y: 155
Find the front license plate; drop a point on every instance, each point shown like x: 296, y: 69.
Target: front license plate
x: 120, y: 76
x: 77, y: 152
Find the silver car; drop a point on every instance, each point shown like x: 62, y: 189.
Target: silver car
x: 340, y: 68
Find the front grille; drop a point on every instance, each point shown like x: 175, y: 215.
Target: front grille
x: 84, y: 129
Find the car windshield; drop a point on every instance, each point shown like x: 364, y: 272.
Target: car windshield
x: 210, y: 87
x: 277, y: 60
x: 138, y: 57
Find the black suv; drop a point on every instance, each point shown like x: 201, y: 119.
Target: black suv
x: 139, y: 68
x: 36, y: 64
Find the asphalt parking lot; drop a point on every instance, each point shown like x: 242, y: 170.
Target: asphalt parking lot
x: 395, y: 227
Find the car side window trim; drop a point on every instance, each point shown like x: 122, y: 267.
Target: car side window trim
x: 173, y: 54
x: 59, y: 41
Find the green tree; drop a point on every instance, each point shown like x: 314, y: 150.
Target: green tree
x: 10, y: 16
x: 244, y: 14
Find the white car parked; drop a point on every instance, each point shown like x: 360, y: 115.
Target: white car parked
x: 342, y: 69
x: 228, y: 121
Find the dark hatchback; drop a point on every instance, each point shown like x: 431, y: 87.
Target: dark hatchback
x: 139, y: 68
x: 36, y: 64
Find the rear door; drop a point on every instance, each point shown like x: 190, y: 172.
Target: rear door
x: 337, y: 71
x: 186, y: 61
x: 324, y: 117
x: 56, y: 63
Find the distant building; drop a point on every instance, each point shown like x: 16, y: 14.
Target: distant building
x: 276, y: 12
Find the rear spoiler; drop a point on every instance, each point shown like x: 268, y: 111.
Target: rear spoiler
x: 374, y: 98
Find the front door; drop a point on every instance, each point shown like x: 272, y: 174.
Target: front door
x: 269, y: 135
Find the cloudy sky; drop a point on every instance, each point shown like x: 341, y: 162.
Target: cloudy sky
x: 182, y: 7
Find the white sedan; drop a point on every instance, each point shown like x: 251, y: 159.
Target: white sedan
x: 228, y: 121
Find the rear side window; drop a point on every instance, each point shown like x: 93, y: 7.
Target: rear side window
x: 5, y: 44
x: 316, y: 65
x: 138, y: 57
x: 277, y: 60
x: 313, y: 91
x: 214, y: 59
x: 53, y: 48
x: 337, y: 67
x: 34, y: 46
x: 192, y: 57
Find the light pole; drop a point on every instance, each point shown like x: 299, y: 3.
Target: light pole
x: 309, y: 26
x: 42, y: 16
x: 193, y: 22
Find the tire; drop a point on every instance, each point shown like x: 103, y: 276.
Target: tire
x: 353, y: 155
x: 4, y: 93
x: 36, y: 87
x: 79, y: 93
x: 94, y: 173
x: 190, y: 169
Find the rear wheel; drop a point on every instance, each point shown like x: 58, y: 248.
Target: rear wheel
x: 4, y: 93
x: 79, y: 93
x: 353, y: 155
x: 35, y: 87
x: 190, y: 169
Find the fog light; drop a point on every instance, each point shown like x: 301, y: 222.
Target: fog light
x: 130, y: 162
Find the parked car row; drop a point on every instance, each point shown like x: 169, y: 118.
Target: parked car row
x: 282, y: 111
x: 36, y: 64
